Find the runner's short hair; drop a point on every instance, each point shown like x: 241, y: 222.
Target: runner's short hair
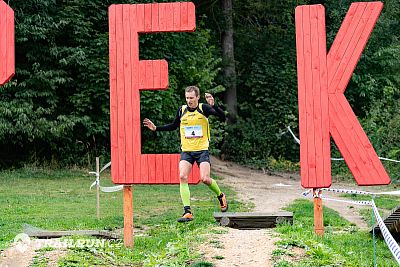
x: 194, y: 89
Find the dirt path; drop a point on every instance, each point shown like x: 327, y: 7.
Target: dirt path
x: 269, y: 193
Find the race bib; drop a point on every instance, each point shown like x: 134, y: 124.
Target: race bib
x: 193, y: 131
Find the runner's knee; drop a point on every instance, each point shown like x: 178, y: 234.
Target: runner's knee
x: 183, y: 178
x: 206, y: 179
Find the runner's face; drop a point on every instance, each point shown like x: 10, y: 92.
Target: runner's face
x: 191, y: 99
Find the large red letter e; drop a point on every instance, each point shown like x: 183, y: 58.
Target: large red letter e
x: 7, y: 44
x: 323, y: 108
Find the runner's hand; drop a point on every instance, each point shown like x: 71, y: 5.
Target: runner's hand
x: 209, y: 99
x: 149, y: 124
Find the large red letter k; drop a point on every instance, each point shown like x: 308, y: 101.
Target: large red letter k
x: 323, y: 108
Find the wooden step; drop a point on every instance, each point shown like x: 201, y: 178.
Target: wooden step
x: 56, y: 234
x: 252, y: 220
x: 392, y: 222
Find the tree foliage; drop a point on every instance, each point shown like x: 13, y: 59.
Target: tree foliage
x: 56, y: 108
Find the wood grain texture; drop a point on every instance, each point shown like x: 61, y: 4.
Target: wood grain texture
x: 129, y: 75
x: 323, y: 108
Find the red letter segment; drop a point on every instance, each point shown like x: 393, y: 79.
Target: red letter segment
x: 128, y: 75
x: 323, y: 108
x: 7, y: 44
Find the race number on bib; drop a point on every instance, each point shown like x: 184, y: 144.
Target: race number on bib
x: 193, y: 131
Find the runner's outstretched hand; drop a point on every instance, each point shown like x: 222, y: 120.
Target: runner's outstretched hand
x: 149, y: 124
x: 209, y: 99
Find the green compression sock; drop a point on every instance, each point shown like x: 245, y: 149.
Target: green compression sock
x: 214, y: 187
x: 185, y: 194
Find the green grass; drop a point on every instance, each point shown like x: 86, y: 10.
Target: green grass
x: 61, y: 200
x: 341, y: 245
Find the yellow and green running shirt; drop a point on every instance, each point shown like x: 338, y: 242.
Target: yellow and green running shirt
x: 193, y: 125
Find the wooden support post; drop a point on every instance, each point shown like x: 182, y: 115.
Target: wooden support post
x: 98, y: 187
x: 318, y: 214
x: 128, y: 216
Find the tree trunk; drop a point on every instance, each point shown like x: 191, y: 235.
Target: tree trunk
x: 229, y: 71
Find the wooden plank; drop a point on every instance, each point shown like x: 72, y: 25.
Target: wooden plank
x: 163, y: 74
x: 128, y: 88
x: 338, y: 41
x: 253, y: 214
x: 177, y: 17
x: 184, y: 15
x: 175, y: 158
x: 168, y: 17
x: 144, y: 169
x: 318, y: 216
x: 121, y: 95
x: 149, y: 82
x: 147, y: 18
x: 128, y: 216
x: 134, y: 57
x: 10, y: 45
x: 316, y: 95
x: 344, y: 30
x: 156, y: 75
x: 368, y: 23
x: 151, y: 164
x: 166, y: 159
x: 333, y: 66
x: 326, y: 179
x: 252, y: 220
x: 159, y: 172
x: 140, y: 17
x: 162, y: 17
x: 312, y: 177
x: 301, y: 96
x: 142, y: 74
x: 3, y: 42
x: 113, y: 93
x: 155, y: 27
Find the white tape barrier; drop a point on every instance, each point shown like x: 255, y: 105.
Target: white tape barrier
x: 108, y: 189
x: 391, y: 243
x: 359, y: 192
x: 336, y: 159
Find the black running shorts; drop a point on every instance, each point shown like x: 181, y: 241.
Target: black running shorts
x: 196, y: 156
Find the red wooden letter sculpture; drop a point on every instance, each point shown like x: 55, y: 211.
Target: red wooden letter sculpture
x: 128, y: 75
x: 7, y: 46
x: 323, y: 108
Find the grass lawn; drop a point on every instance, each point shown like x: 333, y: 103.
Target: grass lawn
x: 61, y: 200
x: 341, y: 245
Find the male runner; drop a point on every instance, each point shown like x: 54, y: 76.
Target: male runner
x: 192, y: 119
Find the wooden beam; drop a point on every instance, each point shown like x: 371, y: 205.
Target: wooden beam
x: 318, y: 215
x: 392, y: 222
x: 252, y: 220
x: 128, y: 216
x: 56, y: 234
